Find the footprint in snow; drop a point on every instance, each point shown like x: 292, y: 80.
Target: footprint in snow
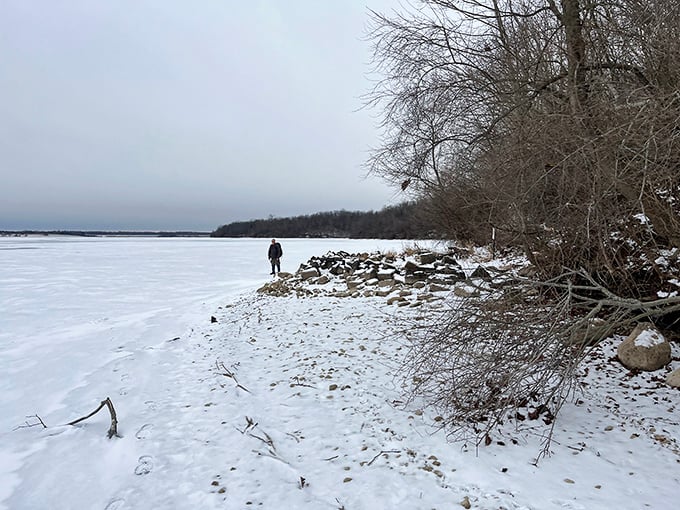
x: 145, y: 465
x: 144, y: 431
x: 115, y: 504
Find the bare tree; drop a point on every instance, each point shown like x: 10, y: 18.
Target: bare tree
x: 555, y: 122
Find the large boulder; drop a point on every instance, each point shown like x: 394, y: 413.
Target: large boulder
x: 673, y: 379
x: 644, y: 349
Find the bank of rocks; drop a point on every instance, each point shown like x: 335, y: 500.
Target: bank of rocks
x: 422, y: 277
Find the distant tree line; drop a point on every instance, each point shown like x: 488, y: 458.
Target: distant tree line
x: 107, y: 233
x: 395, y: 222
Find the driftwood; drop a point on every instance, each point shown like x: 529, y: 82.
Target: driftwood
x: 113, y: 429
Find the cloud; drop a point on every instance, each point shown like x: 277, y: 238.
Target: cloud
x: 171, y: 114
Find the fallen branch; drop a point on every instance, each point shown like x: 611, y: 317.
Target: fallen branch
x: 228, y: 373
x: 113, y: 429
x: 517, y: 346
x: 27, y: 425
x: 382, y: 452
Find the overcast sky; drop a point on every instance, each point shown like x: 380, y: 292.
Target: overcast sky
x: 170, y: 114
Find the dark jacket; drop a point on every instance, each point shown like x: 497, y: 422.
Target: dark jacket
x: 275, y: 251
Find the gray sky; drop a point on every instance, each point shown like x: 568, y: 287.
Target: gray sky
x: 170, y: 114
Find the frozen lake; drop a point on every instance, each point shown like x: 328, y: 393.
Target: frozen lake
x: 70, y: 305
x: 86, y: 318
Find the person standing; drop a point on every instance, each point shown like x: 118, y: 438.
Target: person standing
x: 275, y: 254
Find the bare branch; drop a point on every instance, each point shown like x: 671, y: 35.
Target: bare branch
x: 113, y: 428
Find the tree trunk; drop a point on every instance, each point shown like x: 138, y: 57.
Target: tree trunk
x: 576, y: 54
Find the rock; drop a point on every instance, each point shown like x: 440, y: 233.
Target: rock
x: 213, y: 318
x: 339, y: 269
x: 385, y: 274
x: 284, y: 275
x: 480, y: 272
x: 465, y: 291
x: 644, y: 349
x: 306, y: 274
x: 368, y: 274
x: 275, y: 288
x: 322, y: 280
x: 428, y: 257
x: 444, y: 280
x: 451, y: 271
x: 410, y: 267
x: 395, y: 299
x: 414, y: 277
x: 437, y: 288
x: 353, y: 284
x: 673, y: 379
x: 466, y: 503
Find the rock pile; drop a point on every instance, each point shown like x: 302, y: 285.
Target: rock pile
x: 409, y: 281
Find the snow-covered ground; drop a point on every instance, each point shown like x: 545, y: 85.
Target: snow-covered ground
x: 282, y: 403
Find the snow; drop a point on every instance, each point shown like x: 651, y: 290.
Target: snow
x: 283, y: 402
x: 649, y: 338
x: 642, y: 218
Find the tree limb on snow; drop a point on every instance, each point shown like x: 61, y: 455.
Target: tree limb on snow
x: 113, y: 429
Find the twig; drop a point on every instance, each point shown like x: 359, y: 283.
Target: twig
x: 29, y: 425
x: 381, y: 453
x: 228, y: 373
x: 113, y: 429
